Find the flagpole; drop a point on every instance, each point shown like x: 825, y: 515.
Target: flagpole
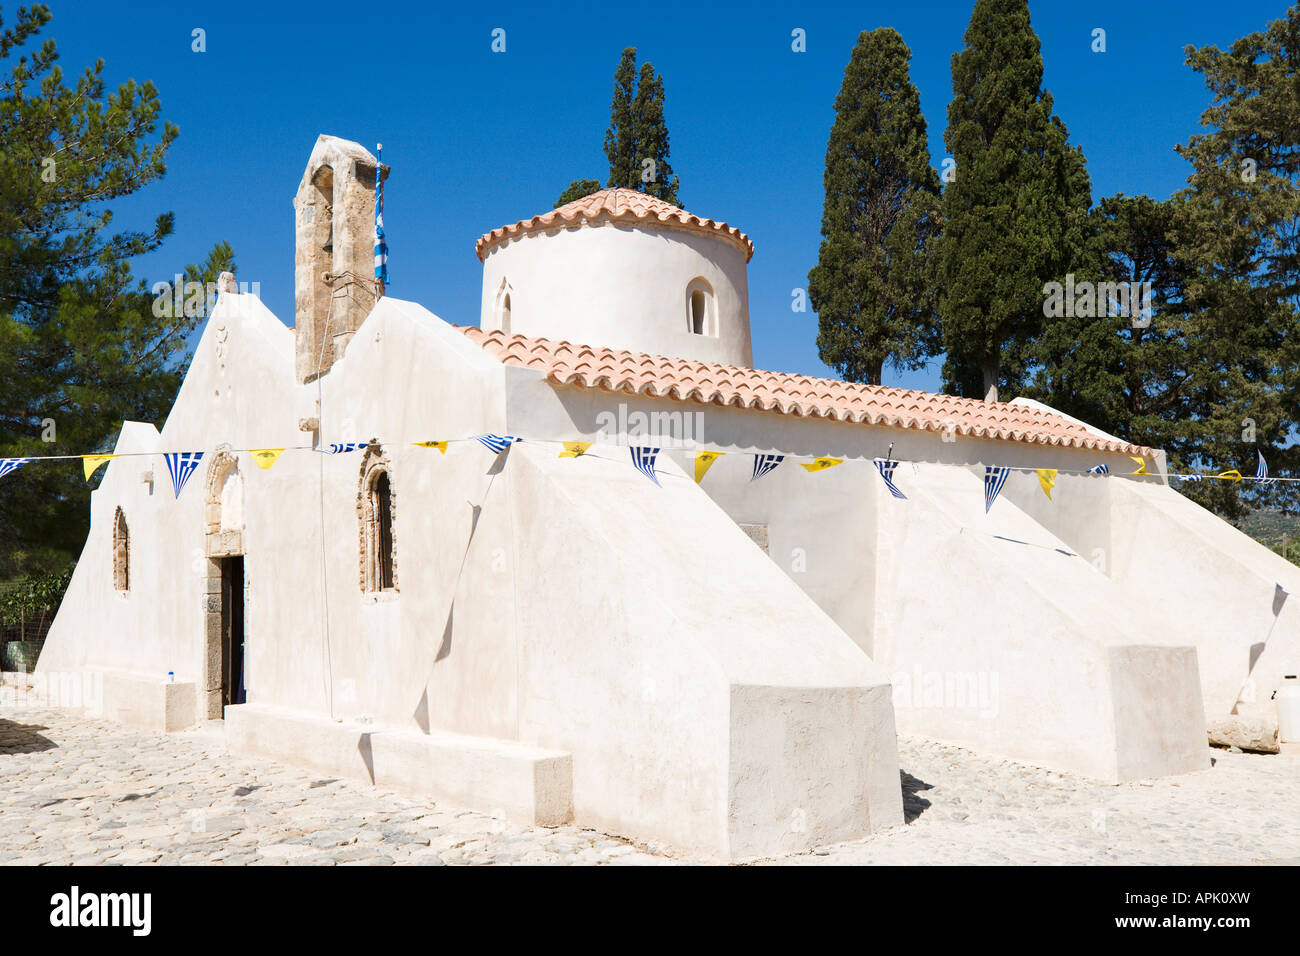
x: 381, y: 246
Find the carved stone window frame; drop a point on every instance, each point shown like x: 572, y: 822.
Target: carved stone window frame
x: 121, y: 553
x: 220, y: 543
x: 375, y: 463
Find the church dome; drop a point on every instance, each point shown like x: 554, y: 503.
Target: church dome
x: 614, y: 205
x: 621, y: 269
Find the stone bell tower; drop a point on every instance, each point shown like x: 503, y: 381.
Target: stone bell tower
x: 334, y: 284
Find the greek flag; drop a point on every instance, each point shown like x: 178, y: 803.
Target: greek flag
x: 343, y: 447
x: 180, y: 465
x: 381, y: 245
x: 1099, y: 470
x: 765, y: 463
x: 643, y: 459
x: 1191, y: 477
x: 995, y: 476
x: 1261, y: 470
x: 496, y: 443
x: 886, y: 469
x: 11, y: 464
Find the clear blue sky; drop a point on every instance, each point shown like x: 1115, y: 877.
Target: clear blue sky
x: 477, y: 139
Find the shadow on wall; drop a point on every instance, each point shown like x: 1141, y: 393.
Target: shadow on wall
x: 421, y: 712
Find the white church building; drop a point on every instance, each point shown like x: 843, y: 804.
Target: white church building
x: 681, y: 651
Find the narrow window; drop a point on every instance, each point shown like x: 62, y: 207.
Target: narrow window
x: 699, y: 315
x: 121, y: 553
x: 377, y: 507
x: 383, y: 505
x: 503, y: 309
x: 701, y: 311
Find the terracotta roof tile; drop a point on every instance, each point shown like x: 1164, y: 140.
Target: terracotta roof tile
x: 614, y: 205
x: 564, y: 363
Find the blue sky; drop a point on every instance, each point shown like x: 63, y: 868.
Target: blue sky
x: 477, y: 139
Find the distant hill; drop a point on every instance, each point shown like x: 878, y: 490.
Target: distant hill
x: 1269, y: 527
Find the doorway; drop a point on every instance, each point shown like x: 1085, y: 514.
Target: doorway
x: 232, y: 630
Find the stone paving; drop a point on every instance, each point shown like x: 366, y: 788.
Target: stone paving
x: 86, y: 791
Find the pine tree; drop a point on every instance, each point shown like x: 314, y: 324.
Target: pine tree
x: 620, y: 138
x: 1240, y: 237
x: 1211, y: 376
x: 1016, y: 213
x: 636, y: 143
x: 880, y: 220
x: 576, y: 190
x: 81, y: 348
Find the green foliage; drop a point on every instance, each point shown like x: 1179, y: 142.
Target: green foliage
x: 34, y: 597
x: 1016, y: 214
x: 880, y: 222
x: 81, y: 349
x: 620, y: 138
x: 576, y: 190
x: 1239, y: 237
x: 636, y: 143
x: 1215, y: 377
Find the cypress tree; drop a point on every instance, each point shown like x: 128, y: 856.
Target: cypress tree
x: 880, y: 219
x: 1016, y: 213
x: 620, y: 138
x: 654, y: 173
x: 636, y: 143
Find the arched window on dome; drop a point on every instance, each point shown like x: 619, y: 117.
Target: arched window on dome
x: 504, y: 296
x: 701, y: 310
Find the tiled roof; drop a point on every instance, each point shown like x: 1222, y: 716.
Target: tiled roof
x: 686, y: 380
x: 614, y: 205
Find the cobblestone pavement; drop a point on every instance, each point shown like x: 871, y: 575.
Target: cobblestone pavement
x: 969, y: 808
x: 86, y: 791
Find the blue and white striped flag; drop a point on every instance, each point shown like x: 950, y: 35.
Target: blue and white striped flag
x: 381, y: 245
x: 995, y: 476
x: 343, y: 447
x: 1099, y: 470
x: 11, y: 464
x: 496, y: 443
x: 643, y: 459
x: 765, y: 463
x: 180, y: 465
x: 886, y: 469
x: 1261, y: 470
x: 1191, y: 477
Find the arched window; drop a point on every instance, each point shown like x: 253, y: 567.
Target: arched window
x: 383, y: 509
x: 121, y: 553
x: 701, y: 313
x: 377, y: 508
x: 504, y: 295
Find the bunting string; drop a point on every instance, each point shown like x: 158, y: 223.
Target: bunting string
x: 181, y: 465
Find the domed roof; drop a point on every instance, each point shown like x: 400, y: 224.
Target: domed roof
x: 615, y: 205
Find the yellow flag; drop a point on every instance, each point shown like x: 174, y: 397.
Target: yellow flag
x: 821, y: 464
x: 1233, y: 475
x: 440, y: 445
x: 575, y: 449
x: 1142, y: 466
x: 265, y: 457
x: 1047, y: 478
x: 92, y: 462
x: 704, y: 461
